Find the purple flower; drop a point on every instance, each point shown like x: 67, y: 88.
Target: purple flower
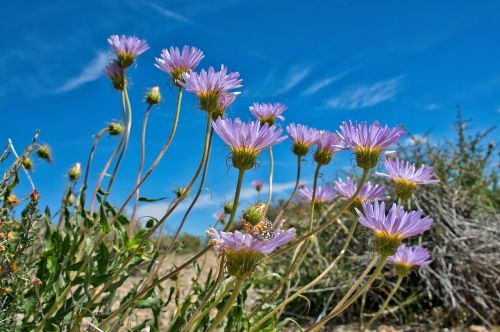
x: 258, y: 184
x: 268, y: 112
x: 127, y: 49
x: 410, y: 256
x: 302, y: 137
x: 175, y: 62
x: 219, y: 216
x: 328, y: 143
x: 115, y: 73
x: 238, y: 241
x: 225, y: 100
x: 368, y: 193
x: 402, y: 171
x: 246, y: 140
x: 323, y: 195
x: 390, y: 229
x: 209, y: 86
x: 367, y: 141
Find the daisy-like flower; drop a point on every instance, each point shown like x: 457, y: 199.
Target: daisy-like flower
x: 268, y: 112
x: 225, y: 100
x: 176, y: 62
x: 258, y: 184
x: 407, y: 257
x: 246, y: 139
x: 127, y: 49
x: 220, y: 216
x: 244, y: 251
x: 392, y: 228
x: 210, y: 85
x: 407, y: 176
x: 328, y: 143
x: 323, y: 195
x: 368, y: 193
x: 302, y: 137
x: 368, y: 141
x: 115, y: 73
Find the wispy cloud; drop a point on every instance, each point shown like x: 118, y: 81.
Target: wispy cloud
x: 366, y: 95
x: 92, y: 71
x: 205, y: 201
x: 168, y: 13
x: 323, y: 84
x: 433, y: 107
x: 295, y: 75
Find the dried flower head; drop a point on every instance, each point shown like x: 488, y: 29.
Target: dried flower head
x: 210, y: 85
x: 176, y: 62
x: 268, y: 112
x: 368, y: 141
x: 407, y: 176
x: 246, y: 139
x: 127, y: 49
x: 394, y: 227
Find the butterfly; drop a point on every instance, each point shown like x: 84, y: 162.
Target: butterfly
x: 263, y: 230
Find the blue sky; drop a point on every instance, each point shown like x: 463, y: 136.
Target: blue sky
x: 398, y: 62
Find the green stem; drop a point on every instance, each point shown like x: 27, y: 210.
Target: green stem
x: 271, y: 172
x: 64, y: 200
x: 223, y: 313
x: 297, y: 182
x: 336, y: 311
x: 141, y: 163
x: 386, y: 303
x: 313, y: 198
x: 326, y: 224
x: 241, y: 173
x: 289, y: 299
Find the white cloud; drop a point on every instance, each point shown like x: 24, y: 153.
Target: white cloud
x: 158, y: 209
x: 92, y: 71
x: 433, y: 107
x: 322, y: 84
x: 366, y: 95
x: 168, y: 13
x: 295, y: 75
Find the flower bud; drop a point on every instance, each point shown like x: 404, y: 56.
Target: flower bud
x: 35, y: 196
x: 114, y: 128
x: 2, y: 235
x: 12, y: 200
x: 181, y: 193
x: 153, y: 97
x: 5, y: 290
x: 13, y: 267
x: 11, y: 235
x: 228, y: 208
x: 254, y: 214
x: 27, y: 163
x: 71, y: 199
x: 2, y: 248
x: 36, y: 282
x: 75, y: 172
x: 43, y: 152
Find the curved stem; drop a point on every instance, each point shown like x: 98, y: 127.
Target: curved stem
x: 63, y: 205
x: 339, y: 309
x: 109, y: 161
x: 386, y: 303
x: 289, y: 299
x: 271, y: 172
x: 223, y: 313
x: 297, y: 183
x: 241, y: 173
x: 196, y: 317
x: 130, y: 302
x: 125, y: 145
x: 141, y: 163
x: 326, y: 224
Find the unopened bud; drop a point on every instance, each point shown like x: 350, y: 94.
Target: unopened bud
x: 5, y: 290
x: 181, y: 193
x: 75, y: 172
x: 12, y: 200
x: 35, y: 196
x: 114, y: 128
x: 2, y: 248
x: 228, y: 208
x: 153, y: 97
x: 27, y: 163
x: 43, y: 152
x: 36, y: 282
x: 254, y: 213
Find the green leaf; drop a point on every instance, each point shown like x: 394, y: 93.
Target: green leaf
x: 103, y: 220
x: 146, y: 199
x: 103, y: 259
